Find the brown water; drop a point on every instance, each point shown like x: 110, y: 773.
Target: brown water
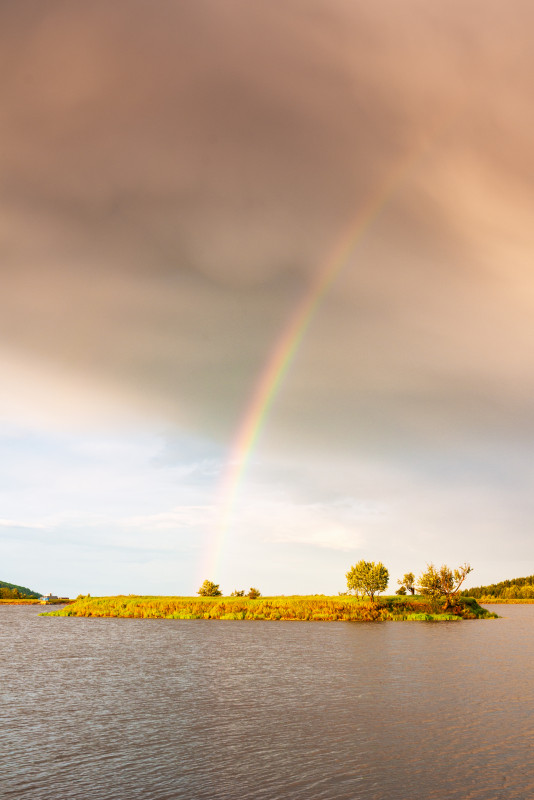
x: 104, y: 709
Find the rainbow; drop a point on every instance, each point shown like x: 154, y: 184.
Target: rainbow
x: 288, y: 344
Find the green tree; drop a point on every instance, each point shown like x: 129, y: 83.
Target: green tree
x: 368, y: 577
x: 238, y: 593
x: 209, y: 589
x: 254, y: 593
x: 408, y: 583
x: 430, y: 582
x: 401, y: 589
x: 444, y: 582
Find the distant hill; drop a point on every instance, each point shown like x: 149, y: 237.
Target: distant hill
x: 22, y: 589
x: 514, y: 589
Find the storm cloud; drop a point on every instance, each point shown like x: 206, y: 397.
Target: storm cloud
x: 174, y: 176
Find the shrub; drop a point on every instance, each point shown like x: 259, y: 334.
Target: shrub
x: 209, y: 589
x: 407, y: 583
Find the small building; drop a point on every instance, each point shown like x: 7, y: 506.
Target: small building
x: 48, y: 598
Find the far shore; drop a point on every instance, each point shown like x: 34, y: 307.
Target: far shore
x: 497, y: 601
x: 34, y: 601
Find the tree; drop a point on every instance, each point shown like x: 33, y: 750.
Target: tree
x: 254, y: 593
x: 401, y: 589
x: 209, y: 589
x: 430, y: 582
x: 238, y: 593
x: 407, y: 583
x: 443, y: 582
x: 368, y: 577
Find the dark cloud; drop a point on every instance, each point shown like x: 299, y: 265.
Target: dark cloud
x: 174, y: 175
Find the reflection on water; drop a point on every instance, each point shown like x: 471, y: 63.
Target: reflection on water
x: 167, y: 709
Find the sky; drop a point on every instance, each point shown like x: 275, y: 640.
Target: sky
x: 267, y: 295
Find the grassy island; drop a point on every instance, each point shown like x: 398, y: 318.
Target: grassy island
x: 307, y: 607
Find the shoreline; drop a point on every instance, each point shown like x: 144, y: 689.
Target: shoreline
x: 496, y: 601
x: 30, y: 601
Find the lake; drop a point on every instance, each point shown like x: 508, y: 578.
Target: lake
x: 124, y: 709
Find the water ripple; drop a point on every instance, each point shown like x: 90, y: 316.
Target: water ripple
x: 216, y: 710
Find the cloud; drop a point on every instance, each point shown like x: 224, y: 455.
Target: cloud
x: 174, y: 179
x: 176, y: 519
x: 24, y: 524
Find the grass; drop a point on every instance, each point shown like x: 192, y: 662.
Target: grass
x: 308, y: 607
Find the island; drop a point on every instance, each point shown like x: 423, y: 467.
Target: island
x: 320, y: 608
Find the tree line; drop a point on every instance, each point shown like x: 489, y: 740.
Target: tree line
x: 514, y: 589
x: 371, y: 578
x: 10, y: 594
x: 10, y: 591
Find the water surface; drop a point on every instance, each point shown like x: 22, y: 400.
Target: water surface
x: 124, y: 709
